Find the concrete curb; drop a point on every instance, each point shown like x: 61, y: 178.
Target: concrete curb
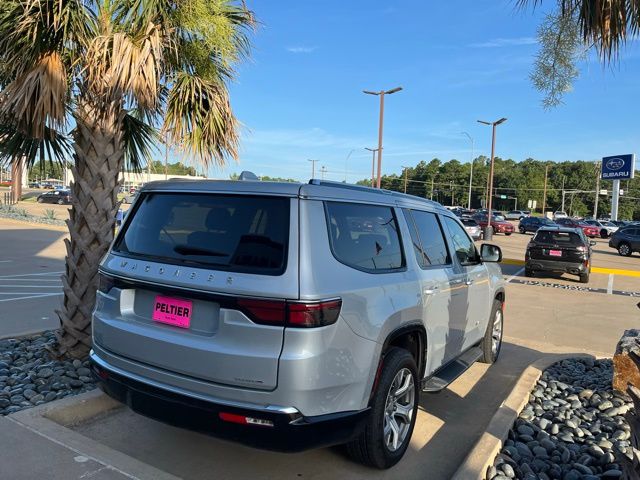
x: 52, y: 421
x: 481, y: 457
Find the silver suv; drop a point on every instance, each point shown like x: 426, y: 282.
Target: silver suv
x: 290, y: 316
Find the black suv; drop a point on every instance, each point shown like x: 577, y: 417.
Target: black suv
x: 559, y: 249
x: 61, y: 197
x: 532, y: 224
x: 626, y: 240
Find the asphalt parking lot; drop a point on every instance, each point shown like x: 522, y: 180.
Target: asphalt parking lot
x: 544, y: 316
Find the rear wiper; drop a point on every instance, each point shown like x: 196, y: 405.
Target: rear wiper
x: 188, y: 250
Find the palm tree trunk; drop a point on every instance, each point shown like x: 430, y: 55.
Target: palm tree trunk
x: 98, y: 159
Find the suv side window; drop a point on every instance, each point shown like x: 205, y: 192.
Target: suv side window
x: 464, y: 248
x: 427, y: 238
x: 365, y: 237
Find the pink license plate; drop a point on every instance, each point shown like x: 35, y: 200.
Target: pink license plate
x: 555, y: 253
x: 172, y: 311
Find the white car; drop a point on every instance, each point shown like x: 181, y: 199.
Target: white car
x: 517, y: 214
x: 559, y: 214
x: 606, y: 228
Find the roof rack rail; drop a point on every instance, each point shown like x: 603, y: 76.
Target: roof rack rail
x: 363, y: 188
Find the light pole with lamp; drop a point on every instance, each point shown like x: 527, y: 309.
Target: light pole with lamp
x: 373, y: 165
x: 471, y: 165
x: 313, y: 167
x: 381, y: 94
x: 488, y: 231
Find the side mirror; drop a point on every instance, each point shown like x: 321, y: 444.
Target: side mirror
x: 490, y: 253
x: 593, y: 243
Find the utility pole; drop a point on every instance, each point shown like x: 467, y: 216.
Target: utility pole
x: 346, y: 165
x: 323, y: 170
x: 431, y: 188
x: 544, y: 195
x: 471, y: 172
x: 562, y: 208
x: 166, y: 157
x: 595, y: 202
x: 488, y: 231
x: 373, y: 165
x: 453, y: 200
x: 313, y: 167
x: 406, y: 169
x: 381, y: 94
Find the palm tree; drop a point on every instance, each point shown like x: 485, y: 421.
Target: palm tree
x: 104, y: 80
x: 574, y: 28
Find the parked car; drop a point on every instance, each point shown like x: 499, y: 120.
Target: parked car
x: 284, y: 316
x: 61, y: 197
x: 626, y: 240
x: 498, y: 222
x: 532, y: 224
x: 606, y: 228
x: 472, y: 228
x: 517, y: 215
x: 34, y: 185
x: 559, y: 249
x: 559, y: 214
x: 589, y: 230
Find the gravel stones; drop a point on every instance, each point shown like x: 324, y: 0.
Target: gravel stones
x: 29, y: 377
x: 572, y: 428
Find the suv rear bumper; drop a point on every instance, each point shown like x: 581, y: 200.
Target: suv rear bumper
x: 287, y: 429
x: 574, y: 268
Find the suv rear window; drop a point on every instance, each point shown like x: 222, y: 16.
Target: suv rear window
x: 364, y: 236
x: 558, y: 238
x: 227, y: 232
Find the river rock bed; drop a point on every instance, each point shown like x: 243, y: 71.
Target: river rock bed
x: 29, y: 377
x: 572, y: 428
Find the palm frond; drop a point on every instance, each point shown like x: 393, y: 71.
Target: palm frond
x: 124, y: 64
x: 36, y: 99
x: 140, y: 140
x: 199, y: 120
x: 604, y: 24
x: 52, y: 147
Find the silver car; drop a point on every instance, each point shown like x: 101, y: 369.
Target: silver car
x: 292, y: 316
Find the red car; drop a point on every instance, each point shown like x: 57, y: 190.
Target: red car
x: 499, y: 224
x: 589, y: 230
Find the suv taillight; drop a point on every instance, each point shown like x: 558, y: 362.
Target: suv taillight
x: 105, y: 282
x: 292, y: 314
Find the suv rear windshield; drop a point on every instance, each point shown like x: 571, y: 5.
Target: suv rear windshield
x: 227, y: 232
x: 558, y: 238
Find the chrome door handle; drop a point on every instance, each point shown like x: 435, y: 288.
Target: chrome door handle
x: 431, y: 291
x: 468, y: 282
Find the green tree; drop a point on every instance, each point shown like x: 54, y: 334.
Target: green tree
x: 97, y: 77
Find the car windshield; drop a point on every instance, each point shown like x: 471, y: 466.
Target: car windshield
x: 236, y: 233
x: 558, y: 238
x: 469, y: 223
x: 498, y: 218
x: 546, y: 221
x: 607, y: 224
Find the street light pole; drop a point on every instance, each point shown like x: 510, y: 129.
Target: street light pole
x: 488, y: 232
x: 313, y: 167
x: 471, y: 173
x: 406, y: 170
x: 373, y: 165
x: 346, y: 165
x: 381, y: 94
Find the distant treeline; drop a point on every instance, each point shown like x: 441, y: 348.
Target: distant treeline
x: 519, y: 182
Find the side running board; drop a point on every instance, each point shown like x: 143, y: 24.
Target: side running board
x: 452, y: 370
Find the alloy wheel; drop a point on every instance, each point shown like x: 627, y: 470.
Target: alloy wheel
x: 496, y: 333
x: 623, y: 249
x: 398, y: 412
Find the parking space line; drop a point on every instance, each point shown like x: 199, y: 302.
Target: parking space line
x: 610, y: 284
x: 517, y: 274
x: 31, y: 274
x: 31, y: 296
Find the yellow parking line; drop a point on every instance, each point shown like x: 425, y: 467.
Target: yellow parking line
x: 606, y: 271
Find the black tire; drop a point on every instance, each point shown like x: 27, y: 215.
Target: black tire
x: 604, y: 233
x: 369, y: 447
x: 584, y: 277
x: 40, y: 200
x: 489, y: 353
x: 624, y: 249
x: 522, y: 230
x: 528, y: 272
x: 508, y: 233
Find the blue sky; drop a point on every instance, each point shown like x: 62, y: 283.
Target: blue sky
x: 300, y: 97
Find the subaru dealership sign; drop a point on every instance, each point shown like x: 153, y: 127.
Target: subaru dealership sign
x: 618, y: 167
